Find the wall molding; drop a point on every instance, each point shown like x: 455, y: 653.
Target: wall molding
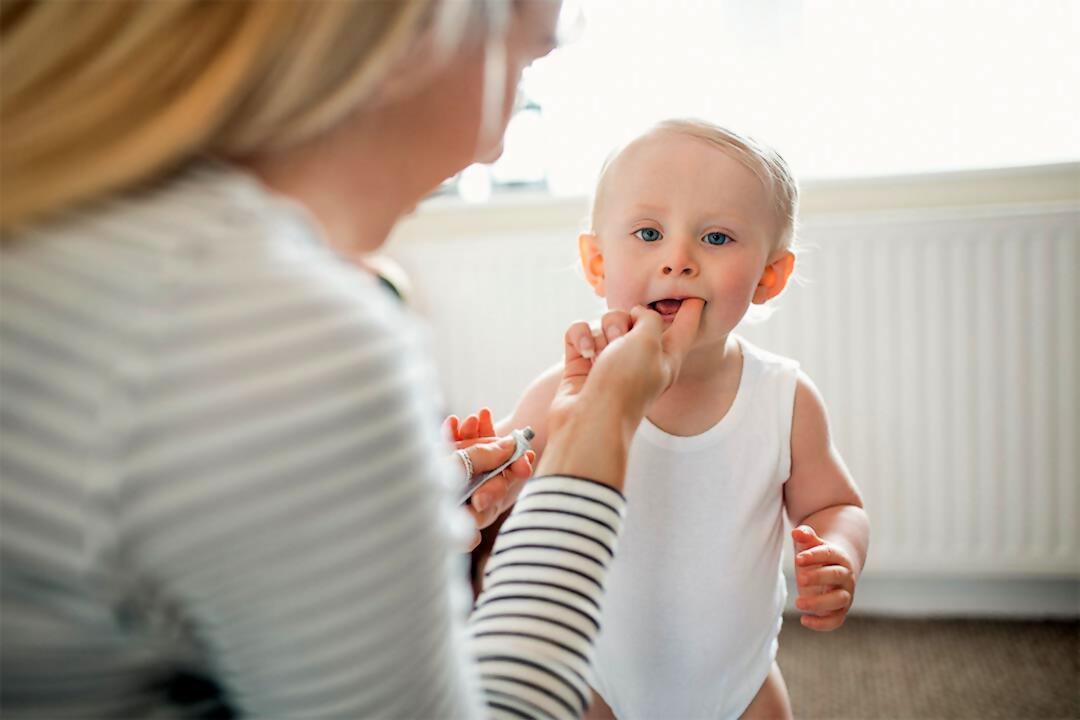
x: 967, y: 597
x: 1036, y: 188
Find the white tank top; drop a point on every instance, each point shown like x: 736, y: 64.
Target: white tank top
x: 695, y: 595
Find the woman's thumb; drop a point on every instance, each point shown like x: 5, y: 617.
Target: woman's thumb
x: 680, y: 336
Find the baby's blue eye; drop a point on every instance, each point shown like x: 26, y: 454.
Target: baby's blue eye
x: 649, y: 234
x: 716, y: 238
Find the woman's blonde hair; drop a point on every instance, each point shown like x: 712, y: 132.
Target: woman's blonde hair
x: 767, y: 164
x: 101, y: 96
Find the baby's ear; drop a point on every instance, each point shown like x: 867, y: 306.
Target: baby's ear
x: 775, y: 276
x: 592, y: 261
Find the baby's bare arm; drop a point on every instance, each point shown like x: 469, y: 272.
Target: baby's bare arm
x: 820, y: 491
x: 832, y: 530
x: 532, y: 409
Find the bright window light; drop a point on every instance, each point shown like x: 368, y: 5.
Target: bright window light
x: 841, y: 89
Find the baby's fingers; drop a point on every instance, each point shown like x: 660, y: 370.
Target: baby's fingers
x: 486, y: 424
x: 825, y: 603
x: 469, y: 428
x: 821, y: 555
x: 805, y: 538
x: 824, y: 623
x: 450, y: 428
x: 830, y: 575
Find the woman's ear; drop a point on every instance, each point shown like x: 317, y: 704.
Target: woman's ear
x: 592, y: 261
x: 775, y: 277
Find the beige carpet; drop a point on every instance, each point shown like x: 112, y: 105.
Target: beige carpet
x: 886, y: 668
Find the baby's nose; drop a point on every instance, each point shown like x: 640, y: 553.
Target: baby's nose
x: 678, y: 259
x: 680, y: 267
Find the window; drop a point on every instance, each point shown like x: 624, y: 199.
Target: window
x: 842, y: 89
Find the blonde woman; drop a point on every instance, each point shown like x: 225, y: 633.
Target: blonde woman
x: 223, y: 490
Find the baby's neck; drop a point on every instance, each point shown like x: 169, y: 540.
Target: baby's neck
x: 704, y: 392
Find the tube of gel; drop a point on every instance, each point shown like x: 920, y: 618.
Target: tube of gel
x: 521, y: 444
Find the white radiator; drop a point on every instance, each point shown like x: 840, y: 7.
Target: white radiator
x: 946, y: 348
x: 945, y: 344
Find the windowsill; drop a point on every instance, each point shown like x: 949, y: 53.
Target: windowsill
x: 1055, y: 184
x: 1035, y: 187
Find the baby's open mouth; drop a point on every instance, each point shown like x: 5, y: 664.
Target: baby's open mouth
x: 667, y: 307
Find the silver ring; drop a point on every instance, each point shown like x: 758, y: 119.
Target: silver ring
x: 467, y: 463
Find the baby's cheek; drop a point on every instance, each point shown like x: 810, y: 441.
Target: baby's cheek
x: 620, y: 301
x: 731, y: 301
x: 622, y: 295
x: 729, y: 314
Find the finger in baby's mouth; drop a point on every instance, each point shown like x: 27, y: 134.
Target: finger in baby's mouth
x: 668, y: 307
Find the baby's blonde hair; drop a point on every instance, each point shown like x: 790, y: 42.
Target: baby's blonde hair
x: 101, y: 96
x: 767, y: 164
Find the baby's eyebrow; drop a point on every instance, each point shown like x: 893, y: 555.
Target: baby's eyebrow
x: 646, y: 208
x: 727, y: 219
x: 730, y: 221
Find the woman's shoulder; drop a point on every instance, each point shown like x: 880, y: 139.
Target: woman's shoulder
x: 203, y: 215
x: 208, y: 240
x: 205, y: 277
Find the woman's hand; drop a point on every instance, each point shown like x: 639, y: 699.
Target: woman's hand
x: 609, y: 380
x: 476, y: 435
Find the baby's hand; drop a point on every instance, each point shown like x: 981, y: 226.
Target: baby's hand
x: 825, y: 580
x: 474, y: 427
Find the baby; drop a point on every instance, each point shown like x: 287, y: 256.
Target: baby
x: 694, y: 601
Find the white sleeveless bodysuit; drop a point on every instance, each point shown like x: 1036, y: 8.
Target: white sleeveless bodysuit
x: 695, y: 595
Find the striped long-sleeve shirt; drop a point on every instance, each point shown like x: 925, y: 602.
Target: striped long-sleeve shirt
x: 223, y: 493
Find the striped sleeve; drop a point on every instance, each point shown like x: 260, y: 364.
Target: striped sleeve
x: 537, y: 619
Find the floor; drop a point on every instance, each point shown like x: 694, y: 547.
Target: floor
x: 899, y: 668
